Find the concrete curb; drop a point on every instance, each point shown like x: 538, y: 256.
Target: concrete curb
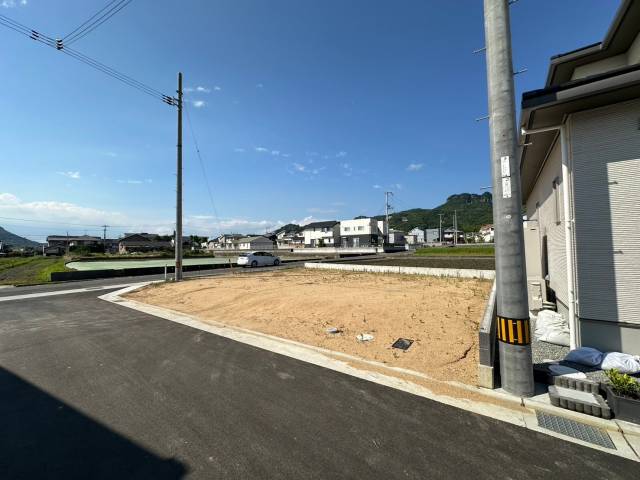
x: 337, y: 361
x: 433, y: 272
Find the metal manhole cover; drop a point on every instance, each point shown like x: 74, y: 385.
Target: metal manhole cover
x: 574, y: 429
x: 402, y: 343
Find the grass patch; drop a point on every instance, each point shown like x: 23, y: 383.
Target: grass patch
x: 487, y: 251
x: 29, y: 270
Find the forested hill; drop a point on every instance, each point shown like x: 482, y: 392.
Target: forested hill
x: 473, y: 212
x: 14, y: 240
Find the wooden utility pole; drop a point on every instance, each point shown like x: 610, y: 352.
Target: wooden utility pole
x: 178, y: 237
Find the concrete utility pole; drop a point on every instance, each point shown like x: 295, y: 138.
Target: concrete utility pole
x: 178, y: 239
x: 386, y: 214
x: 455, y: 228
x: 440, y: 229
x: 516, y: 369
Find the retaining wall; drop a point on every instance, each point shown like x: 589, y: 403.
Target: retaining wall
x: 434, y: 272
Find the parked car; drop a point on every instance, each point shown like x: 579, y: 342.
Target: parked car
x: 258, y: 259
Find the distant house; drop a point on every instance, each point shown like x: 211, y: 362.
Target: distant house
x: 432, y: 235
x: 66, y: 241
x: 449, y: 235
x: 362, y: 232
x: 580, y: 175
x: 321, y: 234
x: 142, y: 242
x: 227, y: 241
x: 288, y: 240
x: 418, y: 234
x: 259, y: 242
x: 486, y: 233
x: 396, y: 237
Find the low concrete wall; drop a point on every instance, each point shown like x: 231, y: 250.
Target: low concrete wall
x: 433, y: 272
x: 488, y: 365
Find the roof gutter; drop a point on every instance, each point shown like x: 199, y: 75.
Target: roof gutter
x: 568, y: 220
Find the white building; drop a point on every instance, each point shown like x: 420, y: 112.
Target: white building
x: 362, y: 232
x: 419, y: 235
x: 321, y: 234
x: 580, y: 173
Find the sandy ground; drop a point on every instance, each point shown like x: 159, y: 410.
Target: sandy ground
x: 441, y: 315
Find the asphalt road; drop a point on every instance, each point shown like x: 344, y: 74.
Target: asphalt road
x: 90, y: 389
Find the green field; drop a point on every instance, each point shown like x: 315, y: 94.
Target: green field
x: 29, y: 270
x: 481, y: 251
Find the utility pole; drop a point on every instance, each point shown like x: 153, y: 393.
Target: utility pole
x: 514, y: 335
x: 440, y: 228
x: 178, y: 238
x: 104, y: 237
x: 455, y: 228
x: 386, y: 214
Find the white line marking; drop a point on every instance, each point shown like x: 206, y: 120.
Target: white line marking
x: 27, y: 296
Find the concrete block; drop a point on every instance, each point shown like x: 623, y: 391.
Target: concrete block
x: 485, y: 377
x: 579, y: 401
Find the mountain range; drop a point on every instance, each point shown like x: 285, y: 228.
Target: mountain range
x: 16, y: 241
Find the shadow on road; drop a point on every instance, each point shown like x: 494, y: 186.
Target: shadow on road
x: 42, y: 437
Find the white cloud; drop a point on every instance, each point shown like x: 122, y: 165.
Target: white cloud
x: 261, y: 149
x: 275, y: 152
x: 298, y: 167
x: 414, y: 167
x: 338, y: 204
x: 199, y: 103
x: 13, y: 3
x: 135, y: 182
x: 53, y: 211
x: 397, y: 186
x: 74, y: 175
x: 376, y: 186
x: 238, y: 150
x: 259, y: 85
x: 203, y: 90
x: 341, y: 154
x: 286, y: 155
x: 217, y: 88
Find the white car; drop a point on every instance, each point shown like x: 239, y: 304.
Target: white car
x: 258, y: 259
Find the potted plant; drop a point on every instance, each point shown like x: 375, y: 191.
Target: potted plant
x: 623, y: 396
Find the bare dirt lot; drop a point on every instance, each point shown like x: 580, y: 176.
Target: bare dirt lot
x: 441, y: 315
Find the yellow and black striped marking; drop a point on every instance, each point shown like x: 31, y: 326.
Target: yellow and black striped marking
x: 514, y: 331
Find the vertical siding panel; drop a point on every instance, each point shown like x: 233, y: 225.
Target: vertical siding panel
x: 606, y: 164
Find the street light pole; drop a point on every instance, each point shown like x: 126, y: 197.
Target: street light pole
x: 516, y: 369
x: 178, y: 237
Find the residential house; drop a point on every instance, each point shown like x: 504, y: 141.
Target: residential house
x: 432, y: 235
x: 396, y: 237
x: 418, y: 233
x: 449, y: 234
x: 66, y: 241
x: 321, y: 234
x: 486, y: 233
x: 289, y: 240
x: 258, y: 242
x: 227, y: 241
x: 143, y: 242
x: 580, y: 175
x: 361, y: 232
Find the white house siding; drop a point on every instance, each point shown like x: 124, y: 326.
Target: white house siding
x: 550, y: 223
x: 606, y: 163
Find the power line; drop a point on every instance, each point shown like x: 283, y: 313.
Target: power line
x: 58, y: 45
x: 92, y: 23
x: 204, y: 173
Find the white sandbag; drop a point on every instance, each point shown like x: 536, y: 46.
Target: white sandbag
x: 551, y: 327
x: 623, y: 362
x: 588, y: 356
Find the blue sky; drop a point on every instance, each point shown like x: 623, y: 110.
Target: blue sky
x: 306, y: 110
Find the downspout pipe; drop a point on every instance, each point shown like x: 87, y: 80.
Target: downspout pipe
x: 568, y: 226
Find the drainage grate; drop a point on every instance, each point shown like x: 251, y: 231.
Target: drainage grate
x: 574, y: 429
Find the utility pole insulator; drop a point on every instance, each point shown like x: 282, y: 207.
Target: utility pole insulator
x: 59, y: 45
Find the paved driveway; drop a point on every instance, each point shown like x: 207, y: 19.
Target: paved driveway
x: 90, y: 389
